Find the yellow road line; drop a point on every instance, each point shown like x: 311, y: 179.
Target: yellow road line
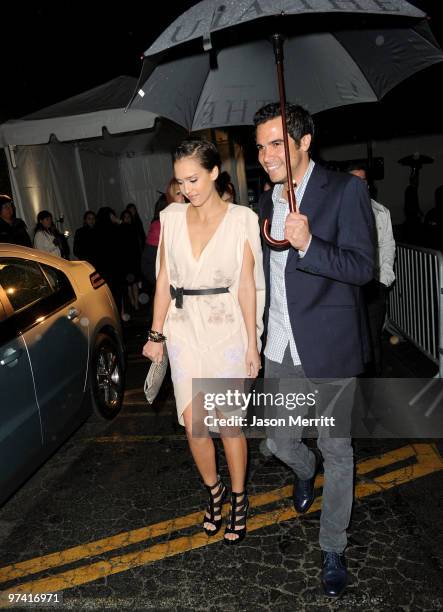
x: 90, y: 549
x: 428, y: 459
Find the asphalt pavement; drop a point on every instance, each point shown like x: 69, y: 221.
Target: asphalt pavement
x: 113, y: 520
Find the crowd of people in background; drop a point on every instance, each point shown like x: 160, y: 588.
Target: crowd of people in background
x: 125, y: 255
x: 113, y: 245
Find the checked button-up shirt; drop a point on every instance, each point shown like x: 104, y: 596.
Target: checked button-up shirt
x: 279, y: 326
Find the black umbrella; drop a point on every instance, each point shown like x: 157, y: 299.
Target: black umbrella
x: 215, y: 65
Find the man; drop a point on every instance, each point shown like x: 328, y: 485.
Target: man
x: 84, y: 239
x: 376, y: 291
x: 11, y: 229
x: 315, y: 315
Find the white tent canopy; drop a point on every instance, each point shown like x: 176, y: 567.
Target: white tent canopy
x: 80, y: 117
x: 86, y: 152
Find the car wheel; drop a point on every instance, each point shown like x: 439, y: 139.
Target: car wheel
x: 107, y: 377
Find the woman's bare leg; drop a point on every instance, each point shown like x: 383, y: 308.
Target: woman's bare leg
x: 236, y: 451
x: 203, y: 452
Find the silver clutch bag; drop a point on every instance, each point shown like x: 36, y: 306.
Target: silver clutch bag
x: 155, y: 377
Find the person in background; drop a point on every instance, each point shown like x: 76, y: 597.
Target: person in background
x: 46, y: 237
x: 138, y: 224
x: 225, y: 187
x: 173, y: 193
x: 84, y: 239
x: 130, y: 253
x: 109, y: 262
x: 149, y: 255
x: 63, y: 240
x: 411, y: 231
x: 12, y: 230
x: 376, y: 291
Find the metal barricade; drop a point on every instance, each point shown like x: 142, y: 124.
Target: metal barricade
x: 414, y: 307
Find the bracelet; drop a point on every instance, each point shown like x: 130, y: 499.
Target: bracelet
x: 156, y: 336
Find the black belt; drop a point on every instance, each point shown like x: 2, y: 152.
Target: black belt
x: 177, y: 293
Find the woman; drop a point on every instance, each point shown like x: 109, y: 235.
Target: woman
x: 208, y: 246
x: 109, y: 262
x: 149, y: 256
x: 138, y: 223
x: 173, y: 192
x: 46, y: 237
x: 130, y: 253
x: 225, y: 187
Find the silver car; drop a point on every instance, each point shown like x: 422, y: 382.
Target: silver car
x: 61, y: 356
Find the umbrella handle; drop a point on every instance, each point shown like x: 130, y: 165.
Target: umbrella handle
x: 266, y: 232
x: 273, y: 242
x: 278, y: 54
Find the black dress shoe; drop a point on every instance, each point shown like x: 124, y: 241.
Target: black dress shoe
x: 303, y: 495
x: 334, y: 574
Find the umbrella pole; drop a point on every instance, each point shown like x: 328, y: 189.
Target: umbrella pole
x: 278, y: 53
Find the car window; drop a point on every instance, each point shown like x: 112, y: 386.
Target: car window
x: 31, y: 291
x: 56, y: 278
x: 23, y: 282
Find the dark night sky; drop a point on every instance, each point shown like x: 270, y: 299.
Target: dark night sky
x: 54, y: 50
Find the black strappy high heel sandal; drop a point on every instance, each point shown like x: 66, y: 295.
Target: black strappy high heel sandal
x: 217, y: 494
x: 239, y: 511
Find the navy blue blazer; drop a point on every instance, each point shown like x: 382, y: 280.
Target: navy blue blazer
x: 325, y: 302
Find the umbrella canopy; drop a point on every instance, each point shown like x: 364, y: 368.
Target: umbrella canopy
x: 333, y: 56
x: 209, y: 17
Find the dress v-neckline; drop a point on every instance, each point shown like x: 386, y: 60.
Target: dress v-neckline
x: 195, y: 259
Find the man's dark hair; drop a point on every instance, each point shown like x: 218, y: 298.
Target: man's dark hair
x: 205, y: 151
x: 4, y: 199
x: 103, y: 216
x: 356, y: 165
x: 87, y: 213
x: 298, y: 119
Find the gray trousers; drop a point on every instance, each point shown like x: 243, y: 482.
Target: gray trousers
x: 338, y: 462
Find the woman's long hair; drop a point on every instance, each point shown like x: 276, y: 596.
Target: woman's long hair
x: 44, y: 214
x: 103, y: 217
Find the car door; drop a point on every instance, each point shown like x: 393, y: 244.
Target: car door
x: 57, y: 344
x: 21, y: 439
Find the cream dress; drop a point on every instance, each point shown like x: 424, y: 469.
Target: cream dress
x: 207, y: 337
